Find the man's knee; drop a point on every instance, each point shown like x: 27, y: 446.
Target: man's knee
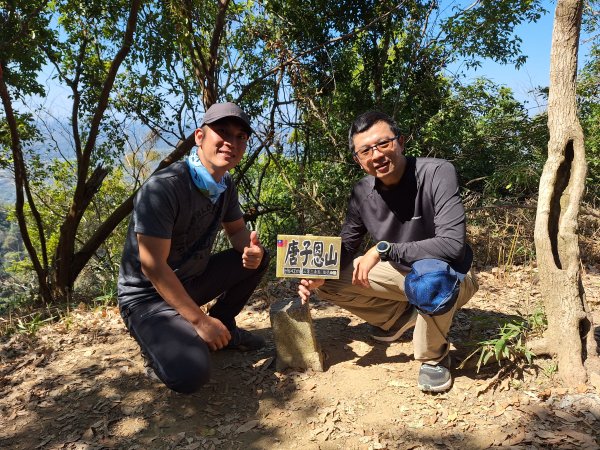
x: 173, y: 348
x: 189, y: 381
x: 333, y: 292
x: 188, y: 374
x: 468, y: 289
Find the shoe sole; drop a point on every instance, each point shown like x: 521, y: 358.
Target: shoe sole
x: 242, y: 348
x: 151, y: 374
x: 442, y: 388
x: 403, y: 329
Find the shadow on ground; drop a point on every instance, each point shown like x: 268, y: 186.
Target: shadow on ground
x: 93, y: 394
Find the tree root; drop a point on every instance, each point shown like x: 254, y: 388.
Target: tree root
x: 592, y: 364
x: 541, y: 347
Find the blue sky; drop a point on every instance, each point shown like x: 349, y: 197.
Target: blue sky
x: 536, y: 43
x: 537, y: 40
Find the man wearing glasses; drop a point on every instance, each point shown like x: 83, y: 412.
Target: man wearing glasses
x: 417, y: 272
x: 167, y: 270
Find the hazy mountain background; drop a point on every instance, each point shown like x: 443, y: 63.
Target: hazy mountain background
x: 7, y: 188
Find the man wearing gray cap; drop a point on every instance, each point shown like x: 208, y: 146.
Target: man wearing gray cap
x: 167, y: 270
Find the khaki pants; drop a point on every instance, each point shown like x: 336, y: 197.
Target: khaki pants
x: 384, y: 302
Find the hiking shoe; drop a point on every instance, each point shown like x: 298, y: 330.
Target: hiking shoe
x: 405, y: 322
x: 244, y: 341
x: 435, y: 378
x: 148, y: 369
x: 151, y: 374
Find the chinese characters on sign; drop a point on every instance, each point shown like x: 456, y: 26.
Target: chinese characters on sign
x: 308, y: 256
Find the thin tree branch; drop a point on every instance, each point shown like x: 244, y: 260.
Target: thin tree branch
x: 84, y: 254
x: 21, y: 183
x: 501, y: 206
x: 213, y: 53
x: 313, y: 49
x: 77, y: 100
x: 108, y: 85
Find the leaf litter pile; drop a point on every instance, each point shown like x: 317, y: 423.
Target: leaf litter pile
x: 81, y: 384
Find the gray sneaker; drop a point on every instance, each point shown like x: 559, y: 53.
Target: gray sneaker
x: 435, y: 378
x: 148, y: 369
x: 405, y: 322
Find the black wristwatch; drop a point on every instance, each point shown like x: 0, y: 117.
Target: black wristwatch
x: 383, y: 248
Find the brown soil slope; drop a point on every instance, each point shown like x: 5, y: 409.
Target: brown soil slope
x: 80, y: 384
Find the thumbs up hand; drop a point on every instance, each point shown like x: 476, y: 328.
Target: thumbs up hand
x: 253, y: 253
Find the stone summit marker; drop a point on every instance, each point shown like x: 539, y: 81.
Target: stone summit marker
x: 301, y: 257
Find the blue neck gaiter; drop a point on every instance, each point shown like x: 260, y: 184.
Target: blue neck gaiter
x: 204, y: 180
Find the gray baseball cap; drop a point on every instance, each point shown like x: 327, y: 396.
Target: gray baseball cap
x: 220, y: 111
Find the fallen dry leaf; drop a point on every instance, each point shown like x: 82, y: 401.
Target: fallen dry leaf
x: 77, y: 385
x: 545, y: 434
x: 517, y: 438
x: 247, y: 426
x: 539, y: 411
x: 566, y: 416
x: 581, y: 437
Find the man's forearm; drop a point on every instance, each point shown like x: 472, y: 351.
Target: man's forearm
x: 447, y: 249
x: 172, y: 291
x: 240, y: 239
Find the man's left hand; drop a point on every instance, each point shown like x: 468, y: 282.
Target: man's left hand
x: 364, y: 264
x: 253, y: 253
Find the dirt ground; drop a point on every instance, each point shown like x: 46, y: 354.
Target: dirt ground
x: 80, y: 384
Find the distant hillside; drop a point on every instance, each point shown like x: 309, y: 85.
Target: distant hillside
x: 7, y: 188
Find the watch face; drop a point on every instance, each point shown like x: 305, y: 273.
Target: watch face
x: 383, y: 246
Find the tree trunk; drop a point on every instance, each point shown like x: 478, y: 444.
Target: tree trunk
x: 561, y: 190
x: 62, y: 275
x: 21, y: 186
x: 81, y: 258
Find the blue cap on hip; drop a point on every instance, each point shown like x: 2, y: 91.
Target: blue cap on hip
x: 432, y: 286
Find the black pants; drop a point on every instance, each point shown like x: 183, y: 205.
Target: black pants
x: 177, y: 354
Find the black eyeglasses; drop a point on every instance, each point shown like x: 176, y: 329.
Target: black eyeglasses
x: 364, y: 154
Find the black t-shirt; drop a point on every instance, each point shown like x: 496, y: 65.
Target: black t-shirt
x: 170, y: 206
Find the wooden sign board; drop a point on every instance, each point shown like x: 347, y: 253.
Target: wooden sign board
x: 308, y: 256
